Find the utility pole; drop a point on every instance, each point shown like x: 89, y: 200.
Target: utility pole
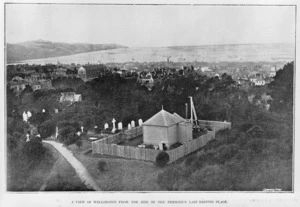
x: 193, y: 112
x: 186, y: 111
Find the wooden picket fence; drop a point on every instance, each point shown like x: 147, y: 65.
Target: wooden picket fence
x: 125, y: 151
x: 103, y: 147
x: 108, y: 145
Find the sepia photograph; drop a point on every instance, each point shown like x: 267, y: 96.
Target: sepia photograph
x: 149, y: 98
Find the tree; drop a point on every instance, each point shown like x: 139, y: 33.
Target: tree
x: 283, y: 89
x: 67, y: 135
x: 47, y: 128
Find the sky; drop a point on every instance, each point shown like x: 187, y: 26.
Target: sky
x: 150, y: 25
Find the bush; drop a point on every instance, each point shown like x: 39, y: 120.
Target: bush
x: 101, y: 165
x: 162, y: 159
x: 47, y: 128
x: 67, y: 135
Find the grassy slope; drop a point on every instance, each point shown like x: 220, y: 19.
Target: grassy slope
x: 120, y: 174
x: 45, y: 175
x: 43, y: 49
x: 33, y: 178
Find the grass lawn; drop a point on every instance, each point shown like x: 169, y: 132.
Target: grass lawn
x: 120, y: 174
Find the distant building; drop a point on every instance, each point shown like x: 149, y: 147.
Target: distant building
x: 36, y: 86
x: 59, y: 72
x: 273, y: 71
x: 17, y: 78
x: 90, y: 72
x: 82, y: 73
x: 205, y: 69
x: 259, y: 82
x: 165, y: 129
x: 70, y: 96
x: 17, y: 86
x: 143, y: 79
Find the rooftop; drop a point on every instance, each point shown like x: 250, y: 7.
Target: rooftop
x: 164, y: 118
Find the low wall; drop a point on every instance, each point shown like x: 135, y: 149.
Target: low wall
x: 215, y: 125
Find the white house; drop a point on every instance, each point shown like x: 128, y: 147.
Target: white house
x: 70, y: 96
x: 259, y: 82
x: 165, y: 129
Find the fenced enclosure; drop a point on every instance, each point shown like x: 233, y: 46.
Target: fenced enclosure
x: 109, y: 145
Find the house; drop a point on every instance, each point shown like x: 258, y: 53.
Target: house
x: 36, y: 86
x: 82, y: 73
x: 205, y: 69
x: 143, y: 79
x: 17, y: 86
x: 165, y: 129
x: 70, y: 96
x: 90, y: 72
x: 17, y: 78
x: 59, y: 72
x: 259, y: 82
x: 45, y: 84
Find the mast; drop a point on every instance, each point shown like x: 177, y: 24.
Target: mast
x: 193, y: 112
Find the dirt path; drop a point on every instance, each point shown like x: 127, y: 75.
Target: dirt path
x: 82, y: 172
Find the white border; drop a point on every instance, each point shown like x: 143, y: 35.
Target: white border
x: 66, y: 198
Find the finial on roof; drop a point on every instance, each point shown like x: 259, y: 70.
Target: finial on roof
x: 162, y: 107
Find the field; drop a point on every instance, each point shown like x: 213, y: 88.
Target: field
x: 208, y: 53
x: 120, y: 174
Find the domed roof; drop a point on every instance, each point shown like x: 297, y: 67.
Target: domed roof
x: 81, y: 69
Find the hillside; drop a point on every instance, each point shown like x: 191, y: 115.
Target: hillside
x: 44, y: 49
x: 206, y: 53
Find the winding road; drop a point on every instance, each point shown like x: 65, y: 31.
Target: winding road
x: 82, y: 172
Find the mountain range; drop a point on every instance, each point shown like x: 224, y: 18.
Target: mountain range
x: 45, y: 49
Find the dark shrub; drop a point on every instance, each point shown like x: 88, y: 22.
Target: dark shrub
x: 67, y: 135
x: 47, y: 128
x: 162, y: 159
x: 101, y: 165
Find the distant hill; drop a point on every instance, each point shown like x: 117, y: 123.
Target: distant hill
x: 44, y: 49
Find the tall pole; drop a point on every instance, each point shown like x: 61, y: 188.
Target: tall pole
x: 186, y: 111
x: 191, y: 103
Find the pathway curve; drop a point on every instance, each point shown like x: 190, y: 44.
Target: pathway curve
x: 82, y: 172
